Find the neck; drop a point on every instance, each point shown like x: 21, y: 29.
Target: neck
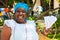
x: 23, y: 22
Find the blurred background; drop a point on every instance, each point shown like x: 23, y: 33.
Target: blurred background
x: 37, y: 10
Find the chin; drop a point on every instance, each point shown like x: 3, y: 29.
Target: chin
x: 20, y: 21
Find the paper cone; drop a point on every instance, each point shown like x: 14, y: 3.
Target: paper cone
x: 49, y: 21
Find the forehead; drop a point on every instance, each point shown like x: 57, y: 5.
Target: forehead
x: 20, y: 9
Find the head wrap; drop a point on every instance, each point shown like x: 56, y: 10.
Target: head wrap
x: 21, y: 5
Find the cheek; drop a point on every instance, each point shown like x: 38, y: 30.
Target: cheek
x: 25, y: 15
x: 15, y: 15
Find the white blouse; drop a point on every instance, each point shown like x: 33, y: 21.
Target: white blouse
x: 22, y: 31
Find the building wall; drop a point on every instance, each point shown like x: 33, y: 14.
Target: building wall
x: 37, y: 4
x: 56, y: 4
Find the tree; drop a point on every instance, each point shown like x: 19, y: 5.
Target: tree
x: 3, y: 3
x: 11, y: 2
x: 58, y: 1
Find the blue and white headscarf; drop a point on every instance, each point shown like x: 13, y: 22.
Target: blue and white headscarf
x: 21, y: 5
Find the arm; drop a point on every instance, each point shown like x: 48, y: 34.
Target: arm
x: 45, y: 32
x: 41, y: 36
x: 5, y: 34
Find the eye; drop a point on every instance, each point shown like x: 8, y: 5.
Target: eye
x: 23, y: 12
x: 18, y: 11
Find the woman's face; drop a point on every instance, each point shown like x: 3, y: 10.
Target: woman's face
x: 20, y: 15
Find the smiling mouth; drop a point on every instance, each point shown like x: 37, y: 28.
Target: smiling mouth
x: 20, y: 17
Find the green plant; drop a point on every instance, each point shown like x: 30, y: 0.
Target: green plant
x: 55, y: 26
x: 1, y: 21
x: 0, y: 31
x: 40, y: 25
x: 30, y: 18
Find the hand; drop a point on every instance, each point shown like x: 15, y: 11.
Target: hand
x: 46, y: 31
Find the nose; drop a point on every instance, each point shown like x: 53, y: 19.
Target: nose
x: 20, y: 13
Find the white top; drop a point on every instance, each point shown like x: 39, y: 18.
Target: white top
x: 22, y: 31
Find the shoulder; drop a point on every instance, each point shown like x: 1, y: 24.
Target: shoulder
x: 9, y: 22
x: 32, y: 22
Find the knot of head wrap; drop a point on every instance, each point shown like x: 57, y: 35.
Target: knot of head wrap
x: 21, y: 5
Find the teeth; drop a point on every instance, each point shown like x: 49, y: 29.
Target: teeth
x: 20, y: 17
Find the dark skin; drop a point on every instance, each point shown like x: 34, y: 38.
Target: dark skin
x: 19, y: 17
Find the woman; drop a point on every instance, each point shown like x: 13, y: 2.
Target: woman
x: 19, y: 28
